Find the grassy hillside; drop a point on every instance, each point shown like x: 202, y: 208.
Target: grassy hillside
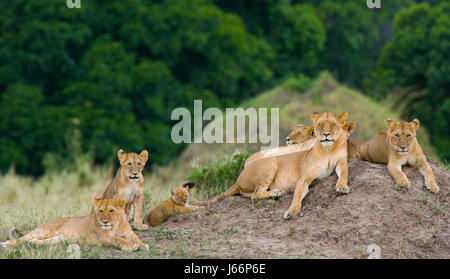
x: 296, y: 98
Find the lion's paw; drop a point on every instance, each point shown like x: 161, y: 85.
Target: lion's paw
x: 131, y: 248
x: 145, y: 246
x: 290, y: 214
x: 140, y: 226
x: 343, y: 189
x: 403, y: 183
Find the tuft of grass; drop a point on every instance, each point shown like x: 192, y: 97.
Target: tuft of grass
x: 219, y: 175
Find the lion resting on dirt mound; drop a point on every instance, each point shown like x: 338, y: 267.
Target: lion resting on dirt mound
x: 277, y: 175
x: 396, y: 147
x: 107, y: 225
x: 178, y: 203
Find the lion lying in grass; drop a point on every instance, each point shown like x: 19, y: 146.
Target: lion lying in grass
x: 129, y: 184
x: 107, y: 226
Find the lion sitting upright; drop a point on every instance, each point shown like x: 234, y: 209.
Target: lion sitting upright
x: 279, y: 174
x: 396, y: 147
x: 129, y: 184
x: 178, y: 203
x: 107, y: 225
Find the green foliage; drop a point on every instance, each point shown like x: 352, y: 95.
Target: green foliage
x: 417, y: 58
x: 300, y: 83
x: 219, y: 175
x: 118, y: 68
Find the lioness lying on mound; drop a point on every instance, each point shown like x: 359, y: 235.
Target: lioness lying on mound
x: 300, y: 134
x: 300, y: 137
x: 178, y: 203
x: 107, y: 225
x: 129, y: 184
x: 277, y: 175
x: 396, y: 147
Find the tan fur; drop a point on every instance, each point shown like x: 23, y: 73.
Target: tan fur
x: 107, y: 226
x: 396, y: 147
x: 277, y: 175
x: 178, y: 203
x: 300, y: 134
x: 129, y: 184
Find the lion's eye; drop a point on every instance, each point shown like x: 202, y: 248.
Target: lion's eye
x: 139, y: 163
x: 397, y: 135
x: 408, y: 136
x: 101, y: 211
x: 129, y: 164
x: 111, y: 211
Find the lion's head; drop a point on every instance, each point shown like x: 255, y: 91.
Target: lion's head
x: 132, y: 164
x: 300, y: 134
x: 108, y: 212
x: 180, y: 195
x: 401, y: 134
x: 330, y: 128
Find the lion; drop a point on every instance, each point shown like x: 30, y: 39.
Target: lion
x: 396, y: 147
x: 178, y: 203
x: 129, y: 183
x: 280, y: 174
x: 107, y: 226
x: 299, y: 135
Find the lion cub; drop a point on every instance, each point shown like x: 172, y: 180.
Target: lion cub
x: 178, y: 203
x: 129, y: 184
x: 107, y: 225
x: 396, y: 147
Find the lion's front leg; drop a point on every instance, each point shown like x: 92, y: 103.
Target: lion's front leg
x: 342, y: 173
x: 119, y: 242
x: 395, y: 169
x: 301, y: 189
x: 131, y: 236
x: 138, y: 208
x: 427, y: 172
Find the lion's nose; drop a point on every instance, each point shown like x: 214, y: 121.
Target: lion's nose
x: 326, y: 134
x: 135, y: 173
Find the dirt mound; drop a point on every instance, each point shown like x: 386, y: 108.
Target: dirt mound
x: 412, y: 223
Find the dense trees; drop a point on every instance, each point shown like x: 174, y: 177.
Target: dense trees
x: 417, y: 58
x: 114, y: 70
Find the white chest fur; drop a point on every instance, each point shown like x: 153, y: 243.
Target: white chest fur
x: 131, y: 191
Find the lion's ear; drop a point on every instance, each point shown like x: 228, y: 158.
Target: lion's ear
x: 349, y: 126
x: 342, y: 117
x: 188, y: 185
x: 144, y: 156
x: 172, y: 192
x: 311, y: 131
x: 415, y: 123
x: 389, y: 122
x: 314, y: 115
x: 96, y: 202
x: 121, y: 202
x: 122, y: 155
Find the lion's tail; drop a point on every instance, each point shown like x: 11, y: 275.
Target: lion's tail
x: 230, y: 192
x: 13, y: 234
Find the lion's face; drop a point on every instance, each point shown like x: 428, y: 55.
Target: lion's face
x: 401, y: 134
x: 181, y: 194
x: 328, y: 127
x: 300, y: 134
x: 132, y: 164
x: 108, y: 212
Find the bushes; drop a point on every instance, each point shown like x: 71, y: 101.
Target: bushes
x: 219, y: 175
